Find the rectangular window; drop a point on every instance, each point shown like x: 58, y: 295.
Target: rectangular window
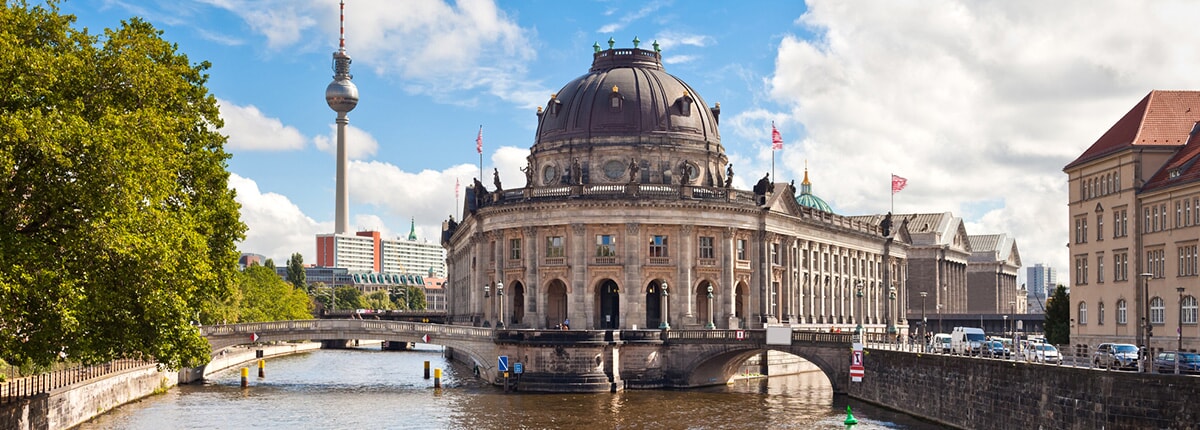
x: 706, y: 247
x: 1178, y: 214
x: 658, y: 246
x: 554, y: 246
x: 1099, y: 269
x: 741, y: 249
x: 514, y: 249
x: 1124, y: 223
x: 1099, y: 227
x: 606, y: 245
x: 775, y: 254
x: 804, y: 254
x: 1146, y: 223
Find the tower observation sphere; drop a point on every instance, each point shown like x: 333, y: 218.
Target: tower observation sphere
x: 341, y: 94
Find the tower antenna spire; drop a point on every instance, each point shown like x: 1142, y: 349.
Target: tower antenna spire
x: 342, y: 97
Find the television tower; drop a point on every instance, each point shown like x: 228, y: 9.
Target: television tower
x: 342, y: 96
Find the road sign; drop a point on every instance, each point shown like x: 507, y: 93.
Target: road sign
x: 254, y: 337
x: 740, y: 334
x: 856, y: 360
x: 425, y: 339
x: 502, y: 363
x: 856, y: 373
x: 518, y: 368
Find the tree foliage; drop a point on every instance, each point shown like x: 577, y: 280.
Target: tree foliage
x: 1058, y: 317
x: 117, y: 226
x: 295, y: 272
x: 266, y: 297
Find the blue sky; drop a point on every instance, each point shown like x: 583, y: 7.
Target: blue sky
x: 978, y: 104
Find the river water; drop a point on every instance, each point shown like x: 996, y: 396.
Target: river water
x: 370, y: 388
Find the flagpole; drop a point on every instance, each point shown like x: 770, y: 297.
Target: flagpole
x: 892, y: 188
x: 479, y: 148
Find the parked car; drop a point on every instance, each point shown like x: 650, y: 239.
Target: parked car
x: 1189, y: 362
x: 1116, y: 356
x: 1043, y: 353
x: 940, y: 343
x: 996, y: 348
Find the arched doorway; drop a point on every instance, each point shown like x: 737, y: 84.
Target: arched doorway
x: 556, y: 303
x: 703, y: 314
x: 739, y: 305
x: 654, y: 301
x: 518, y: 303
x: 609, y: 297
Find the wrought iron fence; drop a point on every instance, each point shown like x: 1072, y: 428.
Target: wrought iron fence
x: 29, y: 386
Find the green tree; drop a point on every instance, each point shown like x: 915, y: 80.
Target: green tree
x: 415, y: 298
x: 266, y: 297
x: 269, y: 264
x: 348, y: 297
x: 295, y: 272
x: 117, y: 225
x: 1058, y: 317
x: 378, y: 300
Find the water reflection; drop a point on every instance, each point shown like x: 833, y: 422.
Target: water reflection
x: 386, y: 389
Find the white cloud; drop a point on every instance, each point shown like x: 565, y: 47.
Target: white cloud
x: 447, y: 51
x: 671, y: 39
x: 629, y: 18
x: 359, y: 143
x: 276, y: 227
x: 680, y: 59
x: 248, y: 129
x: 975, y: 103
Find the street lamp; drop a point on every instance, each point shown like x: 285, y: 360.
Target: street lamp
x: 711, y: 324
x: 1145, y: 350
x: 1179, y: 328
x: 664, y: 325
x: 859, y: 328
x: 487, y: 293
x: 924, y: 322
x: 500, y: 298
x: 891, y: 324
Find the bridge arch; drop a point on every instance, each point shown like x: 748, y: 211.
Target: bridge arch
x: 720, y: 363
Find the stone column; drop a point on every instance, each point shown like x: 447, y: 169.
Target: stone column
x: 728, y: 256
x: 684, y: 264
x: 633, y: 293
x: 579, y: 261
x: 533, y: 282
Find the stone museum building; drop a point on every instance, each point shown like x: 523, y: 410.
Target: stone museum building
x: 626, y: 218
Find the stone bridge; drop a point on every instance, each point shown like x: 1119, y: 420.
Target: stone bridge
x: 571, y: 360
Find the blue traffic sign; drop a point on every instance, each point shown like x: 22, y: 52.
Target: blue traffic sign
x: 518, y: 368
x: 503, y: 363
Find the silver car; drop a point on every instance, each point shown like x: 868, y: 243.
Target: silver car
x: 1043, y: 353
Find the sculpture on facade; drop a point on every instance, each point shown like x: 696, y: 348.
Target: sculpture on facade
x: 528, y: 171
x: 764, y: 185
x: 496, y: 179
x: 886, y: 225
x: 576, y: 173
x: 633, y: 170
x: 729, y: 175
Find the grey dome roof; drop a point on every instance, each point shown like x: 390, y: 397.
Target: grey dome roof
x: 626, y: 93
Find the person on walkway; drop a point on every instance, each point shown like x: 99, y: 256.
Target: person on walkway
x: 567, y: 324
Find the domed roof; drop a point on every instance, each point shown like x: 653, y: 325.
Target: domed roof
x: 806, y: 197
x: 626, y: 93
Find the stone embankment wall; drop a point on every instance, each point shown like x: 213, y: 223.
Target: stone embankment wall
x: 72, y: 405
x: 975, y: 393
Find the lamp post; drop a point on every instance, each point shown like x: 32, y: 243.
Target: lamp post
x: 1145, y: 308
x: 1179, y: 328
x: 939, y: 312
x: 1179, y: 331
x: 487, y: 293
x: 664, y: 325
x: 858, y: 329
x: 711, y: 324
x: 500, y: 298
x: 891, y: 325
x: 924, y: 322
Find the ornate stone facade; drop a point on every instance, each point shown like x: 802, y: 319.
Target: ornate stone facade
x: 635, y: 223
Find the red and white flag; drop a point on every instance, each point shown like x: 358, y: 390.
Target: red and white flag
x: 898, y: 184
x: 776, y: 138
x: 479, y: 141
x: 455, y: 188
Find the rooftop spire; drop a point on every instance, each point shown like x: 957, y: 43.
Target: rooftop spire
x: 412, y: 230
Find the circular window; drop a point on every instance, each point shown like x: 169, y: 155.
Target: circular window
x: 549, y: 175
x: 614, y: 169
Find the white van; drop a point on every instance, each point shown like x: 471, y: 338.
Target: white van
x: 967, y: 340
x: 940, y: 343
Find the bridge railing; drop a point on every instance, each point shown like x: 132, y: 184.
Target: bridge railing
x: 751, y: 336
x: 374, y: 326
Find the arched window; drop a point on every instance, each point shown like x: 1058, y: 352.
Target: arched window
x: 1121, y: 311
x: 1082, y: 318
x: 1189, y: 309
x: 1156, y: 311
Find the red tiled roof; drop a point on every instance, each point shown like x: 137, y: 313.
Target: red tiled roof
x: 1162, y: 118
